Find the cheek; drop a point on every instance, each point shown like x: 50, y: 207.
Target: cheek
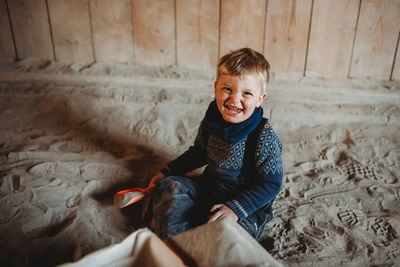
x: 220, y: 96
x: 251, y: 104
x: 220, y: 100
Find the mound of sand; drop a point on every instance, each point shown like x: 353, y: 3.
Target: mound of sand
x: 72, y: 135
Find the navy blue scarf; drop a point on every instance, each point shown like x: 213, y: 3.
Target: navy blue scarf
x: 231, y: 132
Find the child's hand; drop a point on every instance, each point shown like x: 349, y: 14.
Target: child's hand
x: 221, y: 211
x: 156, y: 177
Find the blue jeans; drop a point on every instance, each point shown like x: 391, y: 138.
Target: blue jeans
x: 181, y: 203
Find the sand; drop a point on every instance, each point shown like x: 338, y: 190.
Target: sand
x: 72, y: 135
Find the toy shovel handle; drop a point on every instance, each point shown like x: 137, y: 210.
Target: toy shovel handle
x: 136, y: 189
x: 130, y: 196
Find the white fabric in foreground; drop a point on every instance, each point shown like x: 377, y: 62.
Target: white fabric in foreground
x: 141, y: 248
x: 221, y: 243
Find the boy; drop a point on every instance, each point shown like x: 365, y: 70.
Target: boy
x: 242, y: 153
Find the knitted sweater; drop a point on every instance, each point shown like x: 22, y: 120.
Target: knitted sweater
x: 252, y: 189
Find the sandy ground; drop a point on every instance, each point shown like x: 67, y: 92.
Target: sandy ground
x: 73, y: 135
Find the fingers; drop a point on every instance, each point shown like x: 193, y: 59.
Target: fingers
x: 215, y: 207
x: 219, y: 212
x: 217, y: 215
x: 222, y: 211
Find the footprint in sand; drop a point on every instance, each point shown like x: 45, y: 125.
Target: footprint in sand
x: 291, y: 243
x: 383, y: 230
x: 347, y: 170
x: 353, y: 169
x: 351, y: 217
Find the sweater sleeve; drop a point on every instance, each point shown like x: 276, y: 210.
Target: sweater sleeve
x: 268, y: 182
x: 195, y: 157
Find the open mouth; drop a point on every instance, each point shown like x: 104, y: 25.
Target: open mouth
x: 233, y: 109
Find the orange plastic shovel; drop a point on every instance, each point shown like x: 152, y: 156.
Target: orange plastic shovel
x: 130, y: 196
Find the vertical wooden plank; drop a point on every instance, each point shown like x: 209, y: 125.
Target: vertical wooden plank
x: 286, y: 34
x: 242, y: 24
x: 154, y: 32
x: 7, y: 50
x: 70, y: 25
x: 376, y: 39
x: 197, y: 33
x: 31, y: 29
x: 331, y: 37
x: 396, y: 69
x: 112, y: 30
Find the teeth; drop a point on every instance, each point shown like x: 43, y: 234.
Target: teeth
x: 233, y: 109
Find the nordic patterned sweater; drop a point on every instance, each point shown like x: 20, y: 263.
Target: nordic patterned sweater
x: 224, y: 166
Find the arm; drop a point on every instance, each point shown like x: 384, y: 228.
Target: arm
x: 195, y: 157
x: 267, y: 185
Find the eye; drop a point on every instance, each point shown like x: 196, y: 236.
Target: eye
x: 227, y: 89
x: 248, y: 94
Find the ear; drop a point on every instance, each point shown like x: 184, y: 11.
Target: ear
x: 261, y: 98
x: 215, y: 87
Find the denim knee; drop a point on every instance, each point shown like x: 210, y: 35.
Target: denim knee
x: 173, y: 201
x: 173, y: 186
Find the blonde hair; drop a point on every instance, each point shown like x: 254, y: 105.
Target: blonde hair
x: 245, y: 61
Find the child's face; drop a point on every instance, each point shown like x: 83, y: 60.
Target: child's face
x: 238, y: 96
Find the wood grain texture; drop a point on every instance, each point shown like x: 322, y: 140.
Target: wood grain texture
x: 286, y: 34
x: 396, y: 67
x: 154, y: 32
x: 242, y: 25
x: 331, y: 37
x: 194, y: 33
x: 376, y: 38
x: 7, y: 50
x: 70, y: 25
x: 197, y: 33
x: 31, y: 28
x: 112, y: 30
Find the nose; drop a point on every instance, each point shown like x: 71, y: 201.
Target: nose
x: 235, y: 97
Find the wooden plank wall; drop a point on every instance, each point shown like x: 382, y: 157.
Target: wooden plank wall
x: 71, y: 28
x: 197, y: 24
x: 376, y: 39
x: 287, y: 28
x: 7, y: 50
x: 242, y: 24
x: 331, y: 37
x: 112, y: 22
x: 30, y: 28
x: 154, y: 28
x: 396, y: 69
x: 325, y: 38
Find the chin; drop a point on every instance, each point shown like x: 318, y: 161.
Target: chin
x: 233, y: 119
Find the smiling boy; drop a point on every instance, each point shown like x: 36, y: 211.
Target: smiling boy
x: 242, y: 154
